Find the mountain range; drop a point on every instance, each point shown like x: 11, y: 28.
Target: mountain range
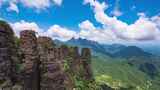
x: 111, y: 50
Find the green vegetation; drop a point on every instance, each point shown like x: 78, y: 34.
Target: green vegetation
x: 118, y: 74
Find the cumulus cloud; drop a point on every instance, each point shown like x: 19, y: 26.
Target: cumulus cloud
x: 116, y: 12
x: 36, y: 4
x: 58, y: 2
x: 143, y: 29
x: 89, y: 31
x: 55, y: 31
x: 156, y: 19
x: 61, y: 33
x: 23, y: 25
x: 40, y: 4
x: 87, y: 25
x: 13, y: 7
x: 141, y: 14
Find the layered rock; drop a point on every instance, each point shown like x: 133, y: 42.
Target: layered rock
x: 75, y: 62
x: 43, y: 62
x: 86, y: 62
x: 29, y: 50
x: 7, y: 55
x: 52, y: 75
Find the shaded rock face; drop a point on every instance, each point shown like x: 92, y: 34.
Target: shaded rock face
x: 65, y: 51
x: 86, y: 62
x: 52, y: 75
x: 7, y: 54
x: 75, y: 63
x: 29, y: 49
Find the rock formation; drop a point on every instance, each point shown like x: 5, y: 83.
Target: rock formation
x: 29, y: 49
x: 86, y: 62
x: 7, y: 55
x: 52, y: 75
x: 44, y: 66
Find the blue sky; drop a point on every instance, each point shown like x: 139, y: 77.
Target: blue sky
x: 74, y: 15
x: 72, y: 12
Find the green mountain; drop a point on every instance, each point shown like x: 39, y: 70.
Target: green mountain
x: 112, y: 50
x: 121, y: 74
x: 132, y: 51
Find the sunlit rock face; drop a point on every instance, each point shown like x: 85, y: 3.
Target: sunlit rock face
x: 7, y: 55
x: 29, y: 49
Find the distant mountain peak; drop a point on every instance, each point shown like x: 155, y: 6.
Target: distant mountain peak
x: 132, y: 51
x: 112, y: 50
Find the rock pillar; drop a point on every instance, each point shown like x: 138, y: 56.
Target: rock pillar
x: 52, y: 74
x: 7, y: 55
x: 86, y: 62
x: 28, y: 44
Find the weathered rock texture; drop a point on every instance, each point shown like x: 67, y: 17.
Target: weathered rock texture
x: 75, y: 63
x: 31, y: 60
x: 52, y: 75
x: 7, y: 55
x: 86, y: 62
x: 44, y: 66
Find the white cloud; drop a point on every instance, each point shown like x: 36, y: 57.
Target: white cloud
x: 116, y: 12
x: 13, y: 7
x: 156, y: 19
x: 141, y: 14
x: 143, y: 29
x: 23, y: 25
x: 55, y: 31
x: 35, y: 4
x: 61, y: 33
x: 38, y: 4
x: 87, y: 25
x: 58, y: 2
x: 89, y: 31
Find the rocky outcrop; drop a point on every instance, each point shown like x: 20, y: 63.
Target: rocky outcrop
x: 86, y: 62
x: 7, y: 55
x: 31, y: 63
x: 44, y: 66
x: 52, y: 75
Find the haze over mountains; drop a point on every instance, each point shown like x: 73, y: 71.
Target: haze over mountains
x: 114, y: 50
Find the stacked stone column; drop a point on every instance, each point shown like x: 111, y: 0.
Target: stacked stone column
x: 86, y: 62
x: 7, y: 55
x: 53, y: 76
x: 29, y: 50
x: 75, y: 63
